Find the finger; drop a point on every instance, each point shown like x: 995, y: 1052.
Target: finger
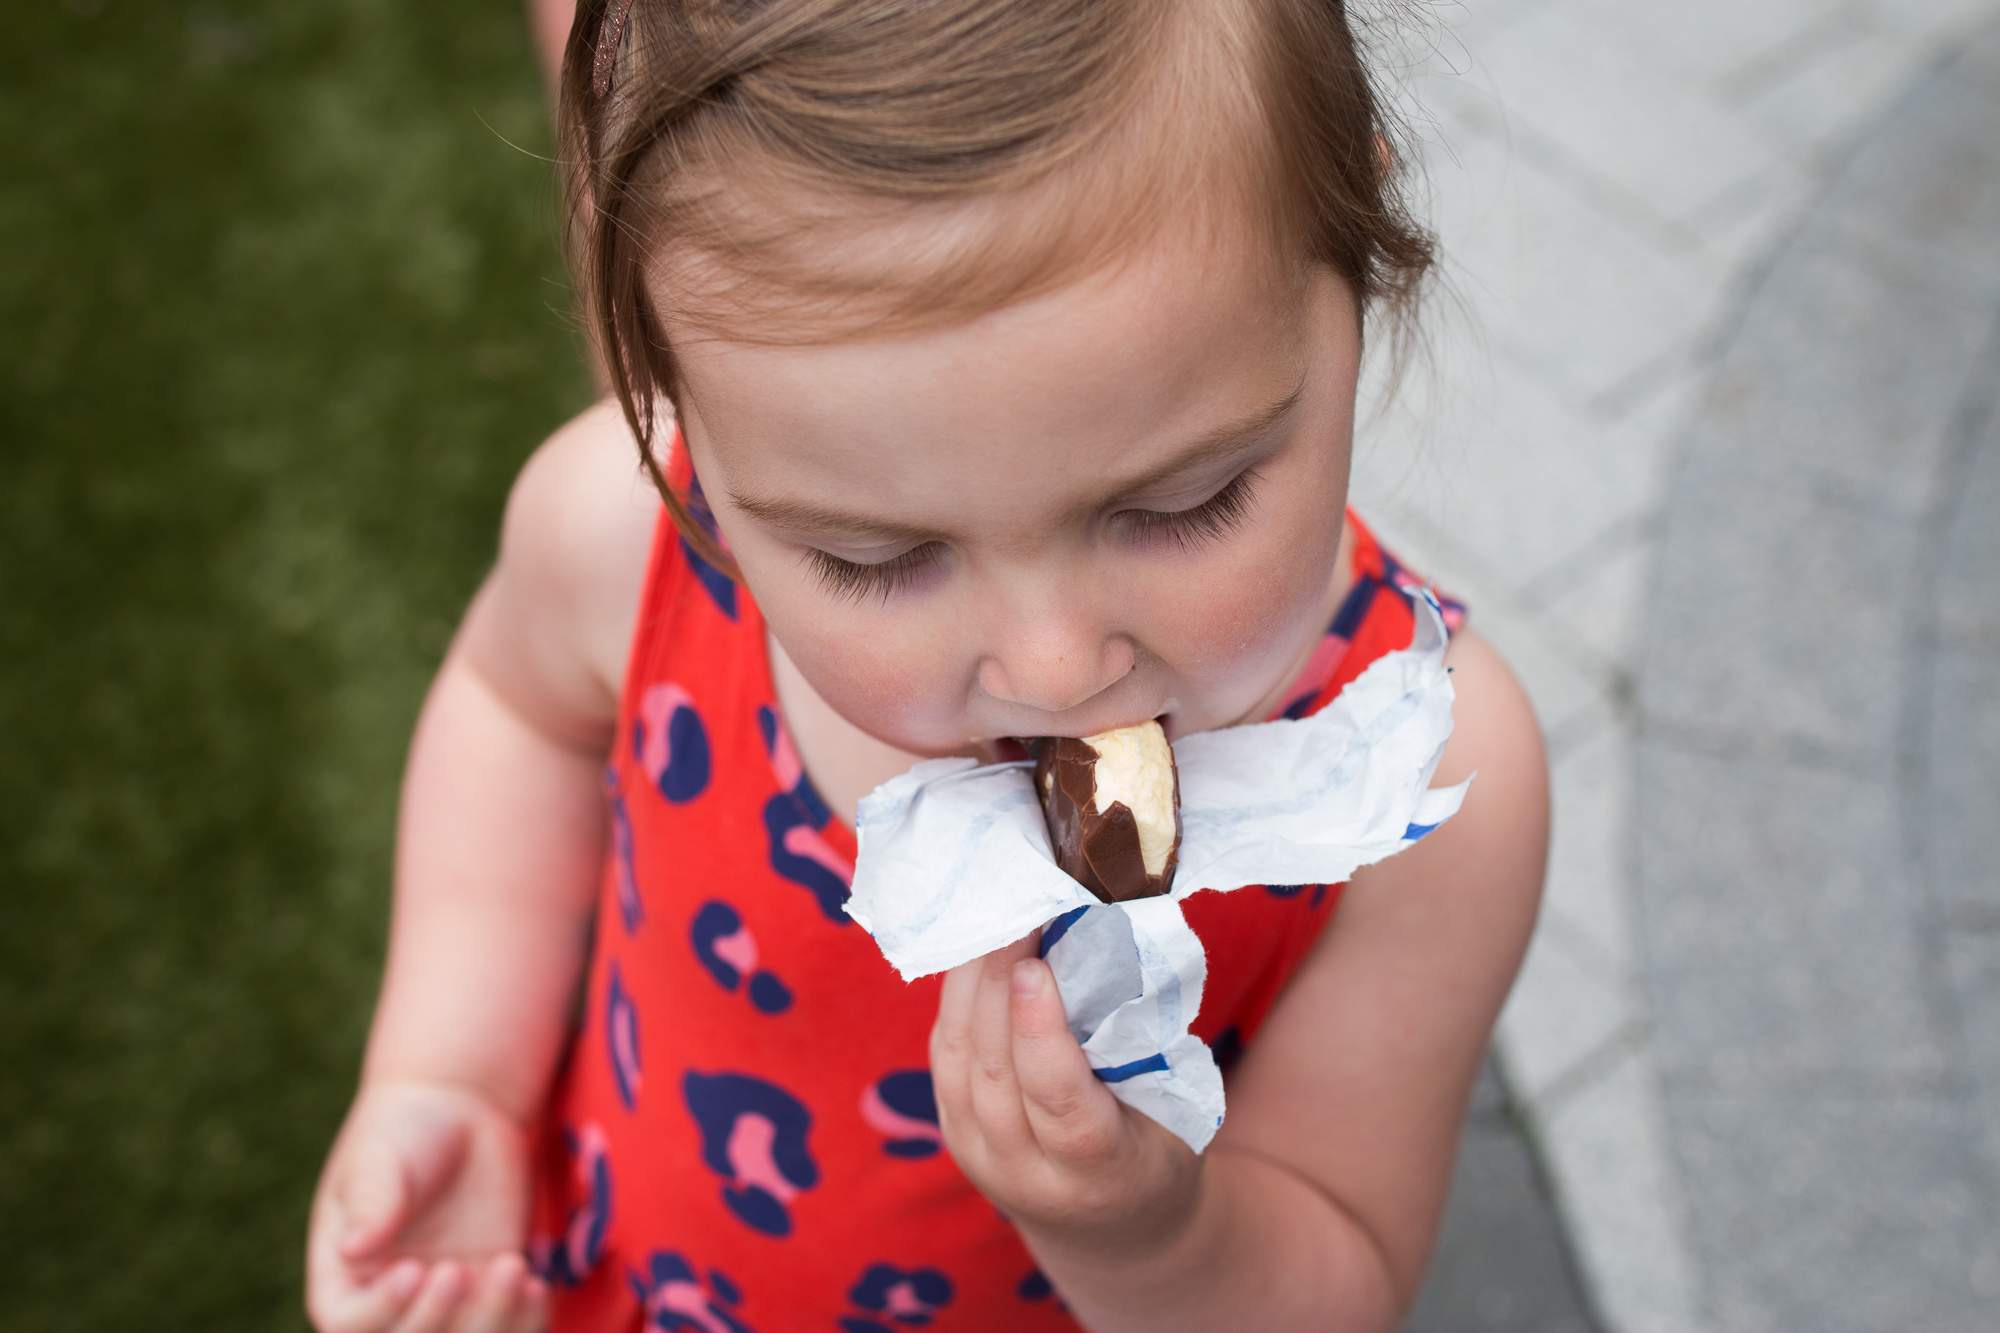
x: 345, y: 1297
x: 951, y: 1033
x: 401, y: 1161
x: 372, y: 1197
x: 1072, y: 1114
x: 995, y: 1090
x: 431, y: 1310
x: 492, y: 1297
x: 532, y: 1315
x: 339, y: 1303
x: 951, y: 1048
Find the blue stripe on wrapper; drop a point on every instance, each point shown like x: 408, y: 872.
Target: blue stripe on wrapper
x: 1152, y: 1064
x: 1415, y: 831
x: 1059, y: 927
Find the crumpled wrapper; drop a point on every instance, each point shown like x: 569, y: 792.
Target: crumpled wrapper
x: 955, y: 862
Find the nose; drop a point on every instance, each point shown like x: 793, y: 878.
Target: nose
x: 1055, y: 663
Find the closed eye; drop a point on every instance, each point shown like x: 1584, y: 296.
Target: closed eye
x: 850, y: 580
x: 1189, y: 529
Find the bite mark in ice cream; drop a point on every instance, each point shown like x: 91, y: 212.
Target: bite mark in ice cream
x: 1112, y: 802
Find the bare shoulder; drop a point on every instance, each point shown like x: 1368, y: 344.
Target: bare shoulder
x: 1359, y: 1079
x: 1495, y: 734
x: 1486, y: 862
x: 552, y: 627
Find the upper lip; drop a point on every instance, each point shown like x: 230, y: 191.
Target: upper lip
x: 1077, y: 733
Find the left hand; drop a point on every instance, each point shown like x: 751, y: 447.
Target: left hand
x: 1034, y: 1129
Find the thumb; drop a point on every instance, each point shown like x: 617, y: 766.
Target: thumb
x: 1071, y: 1112
x: 373, y: 1198
x: 398, y: 1167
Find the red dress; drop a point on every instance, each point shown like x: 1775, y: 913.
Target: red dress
x: 743, y: 1137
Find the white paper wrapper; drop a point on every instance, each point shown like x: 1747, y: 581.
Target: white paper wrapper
x: 955, y: 862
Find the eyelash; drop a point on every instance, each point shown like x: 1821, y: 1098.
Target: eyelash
x: 1215, y: 517
x: 850, y: 581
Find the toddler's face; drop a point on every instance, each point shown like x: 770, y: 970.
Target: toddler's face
x: 1118, y: 501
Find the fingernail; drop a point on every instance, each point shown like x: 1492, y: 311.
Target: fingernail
x: 405, y: 1278
x: 1028, y: 979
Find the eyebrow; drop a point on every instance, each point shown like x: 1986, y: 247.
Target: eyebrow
x: 1220, y: 444
x: 1210, y: 447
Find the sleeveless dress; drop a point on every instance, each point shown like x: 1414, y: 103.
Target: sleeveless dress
x: 743, y: 1138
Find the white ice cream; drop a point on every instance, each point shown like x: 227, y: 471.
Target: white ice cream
x: 1136, y: 766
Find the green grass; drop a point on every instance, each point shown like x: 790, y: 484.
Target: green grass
x: 280, y: 316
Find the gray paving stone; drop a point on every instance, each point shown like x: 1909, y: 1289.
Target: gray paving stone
x: 1604, y: 1143
x: 1818, y: 774
x: 1775, y: 609
x: 1978, y: 66
x: 1973, y: 960
x: 1961, y: 801
x: 1682, y: 37
x: 1818, y: 98
x: 1648, y: 139
x: 1564, y: 1014
x: 1500, y: 1264
x: 1838, y: 1215
x: 1777, y: 925
x: 1601, y: 609
x: 1521, y: 247
x: 1949, y: 215
x: 1971, y: 544
x: 1954, y: 22
x: 1588, y: 889
x: 1526, y: 482
x: 1848, y: 365
x: 1969, y: 592
x: 1960, y: 700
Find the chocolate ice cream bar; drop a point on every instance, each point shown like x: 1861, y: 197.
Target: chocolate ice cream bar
x: 1113, y: 805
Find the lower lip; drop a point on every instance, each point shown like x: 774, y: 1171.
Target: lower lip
x: 1007, y: 749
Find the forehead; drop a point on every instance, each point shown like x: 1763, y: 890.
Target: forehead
x: 813, y: 268
x: 1005, y: 418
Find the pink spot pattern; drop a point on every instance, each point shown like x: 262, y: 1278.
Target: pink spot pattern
x: 878, y: 1115
x: 738, y: 950
x: 807, y: 842
x: 750, y: 1141
x: 656, y: 711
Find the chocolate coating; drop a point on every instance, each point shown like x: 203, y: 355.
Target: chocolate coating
x: 1098, y: 849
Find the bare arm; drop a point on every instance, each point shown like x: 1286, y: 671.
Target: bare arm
x: 1318, y: 1202
x: 501, y: 833
x: 499, y: 845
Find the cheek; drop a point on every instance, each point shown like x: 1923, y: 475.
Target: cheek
x: 1235, y: 621
x: 893, y: 675
x: 895, y: 678
x: 1242, y: 621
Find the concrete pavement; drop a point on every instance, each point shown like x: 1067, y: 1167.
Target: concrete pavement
x: 1501, y: 1264
x: 1818, y: 801
x: 1701, y: 446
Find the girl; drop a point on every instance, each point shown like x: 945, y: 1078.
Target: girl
x: 993, y: 367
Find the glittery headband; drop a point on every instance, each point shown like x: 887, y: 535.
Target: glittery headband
x: 607, y: 46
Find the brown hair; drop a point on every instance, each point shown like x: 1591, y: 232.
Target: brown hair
x: 766, y: 142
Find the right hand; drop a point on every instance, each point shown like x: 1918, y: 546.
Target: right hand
x: 420, y: 1217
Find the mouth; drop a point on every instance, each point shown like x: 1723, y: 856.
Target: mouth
x: 1012, y: 748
